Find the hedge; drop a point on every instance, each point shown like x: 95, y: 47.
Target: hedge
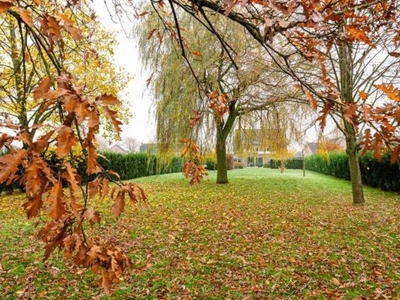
x: 134, y: 165
x: 375, y: 173
x: 296, y: 163
x: 128, y: 166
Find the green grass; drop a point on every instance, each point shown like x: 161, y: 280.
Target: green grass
x: 265, y: 235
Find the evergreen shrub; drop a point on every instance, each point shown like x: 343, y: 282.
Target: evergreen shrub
x: 296, y: 163
x: 375, y: 173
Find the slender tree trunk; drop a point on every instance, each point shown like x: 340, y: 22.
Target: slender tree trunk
x: 354, y: 167
x: 346, y: 84
x: 222, y: 168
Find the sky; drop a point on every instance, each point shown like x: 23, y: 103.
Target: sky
x: 141, y: 126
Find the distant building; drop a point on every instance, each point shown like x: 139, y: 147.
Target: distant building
x: 310, y: 148
x: 251, y: 147
x: 333, y: 144
x: 119, y: 148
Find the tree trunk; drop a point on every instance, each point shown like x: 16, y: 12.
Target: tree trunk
x: 222, y: 168
x: 223, y: 129
x: 354, y: 167
x: 346, y: 85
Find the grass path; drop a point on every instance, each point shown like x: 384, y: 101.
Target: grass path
x: 265, y: 235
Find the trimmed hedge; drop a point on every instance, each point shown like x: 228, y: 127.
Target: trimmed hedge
x: 134, y: 165
x: 333, y: 164
x: 128, y: 166
x: 375, y: 173
x: 296, y: 163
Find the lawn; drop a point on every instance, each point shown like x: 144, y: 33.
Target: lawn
x: 265, y: 235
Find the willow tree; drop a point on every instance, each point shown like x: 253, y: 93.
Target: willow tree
x: 209, y: 87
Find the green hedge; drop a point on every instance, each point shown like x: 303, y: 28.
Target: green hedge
x: 333, y: 164
x: 128, y: 166
x: 375, y: 173
x: 134, y: 165
x: 211, y: 163
x: 296, y: 163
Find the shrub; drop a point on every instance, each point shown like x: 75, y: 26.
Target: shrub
x: 290, y: 164
x: 134, y: 165
x: 375, y: 173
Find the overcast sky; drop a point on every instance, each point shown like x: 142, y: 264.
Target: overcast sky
x: 141, y: 126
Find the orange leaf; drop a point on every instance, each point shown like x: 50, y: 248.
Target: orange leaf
x: 92, y: 216
x: 42, y: 88
x: 324, y: 114
x: 74, y: 32
x: 106, y: 282
x: 82, y: 110
x: 119, y: 204
x: 151, y: 33
x: 38, y: 2
x: 390, y: 91
x: 72, y: 178
x: 213, y: 94
x: 37, y: 175
x: 33, y: 206
x: 311, y: 99
x: 93, y: 187
x: 5, y: 5
x: 112, y: 114
x: 70, y: 101
x: 42, y: 142
x: 195, y: 119
x: 108, y: 99
x: 25, y: 16
x: 57, y: 208
x: 394, y: 54
x: 66, y: 139
x: 5, y: 139
x: 56, y: 94
x: 359, y: 35
x: 363, y: 95
x: 93, y: 166
x: 184, y: 151
x: 111, y: 172
x: 50, y: 26
x: 366, y: 141
x: 196, y: 53
x: 9, y: 165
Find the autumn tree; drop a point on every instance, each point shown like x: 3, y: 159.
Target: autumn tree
x: 90, y: 59
x: 355, y: 45
x: 55, y: 108
x: 221, y: 91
